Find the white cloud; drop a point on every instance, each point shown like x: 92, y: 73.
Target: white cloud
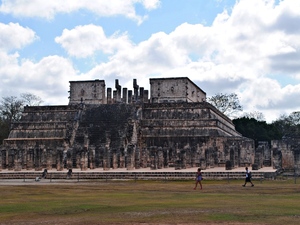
x: 241, y: 52
x: 236, y: 54
x: 49, y: 78
x: 83, y: 41
x: 13, y: 36
x: 48, y: 9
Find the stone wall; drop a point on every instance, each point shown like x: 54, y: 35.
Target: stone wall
x: 128, y: 136
x: 179, y: 89
x: 286, y: 154
x: 90, y: 92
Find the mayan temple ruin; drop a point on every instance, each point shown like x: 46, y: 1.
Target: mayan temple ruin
x: 172, y: 126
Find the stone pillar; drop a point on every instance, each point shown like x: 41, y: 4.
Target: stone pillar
x: 38, y: 159
x: 160, y: 158
x: 1, y: 152
x: 18, y: 160
x: 146, y: 96
x: 153, y: 157
x: 277, y: 159
x: 258, y: 159
x: 114, y: 159
x: 118, y: 91
x: 129, y: 96
x: 109, y: 100
x: 141, y: 97
x: 144, y: 158
x: 297, y: 161
x: 84, y: 159
x: 202, y: 164
x: 107, y: 153
x: 189, y: 157
x: 69, y: 161
x: 24, y: 159
x: 10, y: 159
x: 78, y: 158
x: 29, y: 159
x: 122, y: 158
x: 92, y: 157
x: 60, y: 159
x: 48, y: 156
x: 136, y: 90
x: 130, y: 157
x: 166, y: 157
x: 183, y: 159
x: 124, y: 100
x: 137, y: 158
x: 114, y: 100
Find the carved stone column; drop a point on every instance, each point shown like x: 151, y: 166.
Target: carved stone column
x: 18, y: 160
x: 92, y: 157
x: 130, y: 157
x: 48, y: 156
x: 107, y: 152
x: 84, y: 160
x: 60, y: 159
x: 153, y: 157
x: 69, y: 157
x: 122, y: 158
x: 160, y: 157
x: 38, y: 159
x: 29, y: 159
x: 297, y: 161
x: 137, y: 158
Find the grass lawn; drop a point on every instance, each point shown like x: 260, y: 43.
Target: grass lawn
x: 151, y: 202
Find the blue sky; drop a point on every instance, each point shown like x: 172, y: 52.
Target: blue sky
x: 250, y: 48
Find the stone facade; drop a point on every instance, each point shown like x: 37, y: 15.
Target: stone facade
x: 179, y: 89
x: 286, y: 154
x: 123, y: 128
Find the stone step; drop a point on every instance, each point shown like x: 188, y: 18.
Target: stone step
x: 137, y: 175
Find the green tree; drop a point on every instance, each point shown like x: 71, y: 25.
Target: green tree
x: 289, y: 125
x: 228, y: 104
x: 257, y: 130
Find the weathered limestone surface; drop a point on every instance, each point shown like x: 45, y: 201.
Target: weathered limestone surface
x: 286, y: 154
x: 40, y: 138
x: 179, y: 89
x: 176, y: 128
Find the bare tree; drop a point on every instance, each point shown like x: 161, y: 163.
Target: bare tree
x: 31, y: 99
x: 228, y: 104
x: 259, y: 116
x: 11, y: 109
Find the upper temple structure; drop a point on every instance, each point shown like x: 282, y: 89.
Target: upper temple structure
x: 172, y: 126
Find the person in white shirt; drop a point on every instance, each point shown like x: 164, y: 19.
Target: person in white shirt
x: 248, y: 177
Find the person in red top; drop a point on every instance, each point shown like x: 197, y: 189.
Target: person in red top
x: 198, y: 179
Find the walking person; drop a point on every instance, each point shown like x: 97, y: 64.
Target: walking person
x: 198, y: 179
x: 248, y: 177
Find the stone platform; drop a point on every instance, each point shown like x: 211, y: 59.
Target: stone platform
x: 218, y: 173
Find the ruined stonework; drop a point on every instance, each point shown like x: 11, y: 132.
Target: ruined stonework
x: 121, y: 128
x: 286, y: 154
